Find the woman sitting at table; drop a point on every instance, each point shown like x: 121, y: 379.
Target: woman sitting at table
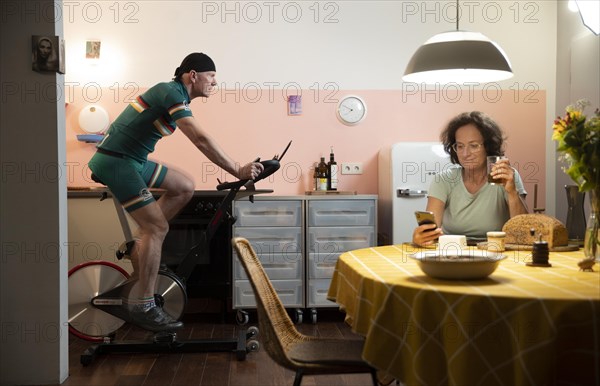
x: 462, y: 200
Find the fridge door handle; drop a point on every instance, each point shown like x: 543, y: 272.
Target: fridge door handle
x: 410, y: 193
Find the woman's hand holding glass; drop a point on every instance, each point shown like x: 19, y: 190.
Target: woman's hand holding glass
x: 504, y: 174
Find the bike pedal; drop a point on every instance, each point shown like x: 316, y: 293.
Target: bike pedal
x: 124, y: 250
x: 165, y: 337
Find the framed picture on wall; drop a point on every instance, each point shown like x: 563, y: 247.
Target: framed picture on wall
x: 295, y: 105
x: 45, y: 53
x: 92, y: 49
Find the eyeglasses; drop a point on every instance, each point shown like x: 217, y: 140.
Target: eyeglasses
x: 473, y: 147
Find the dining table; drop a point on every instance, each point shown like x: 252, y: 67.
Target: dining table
x: 521, y: 325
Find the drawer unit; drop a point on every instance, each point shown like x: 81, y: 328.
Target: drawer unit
x: 336, y: 240
x: 334, y: 227
x: 317, y: 293
x: 268, y: 213
x: 321, y: 265
x: 273, y: 240
x: 298, y: 241
x: 341, y: 213
x: 277, y: 267
x: 274, y: 229
x: 289, y: 291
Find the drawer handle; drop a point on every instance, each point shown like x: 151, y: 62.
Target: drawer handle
x: 269, y: 213
x: 281, y: 265
x: 341, y: 212
x: 329, y: 240
x: 284, y: 292
x: 281, y: 240
x: 327, y: 265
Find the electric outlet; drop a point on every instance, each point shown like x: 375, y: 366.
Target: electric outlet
x: 352, y: 168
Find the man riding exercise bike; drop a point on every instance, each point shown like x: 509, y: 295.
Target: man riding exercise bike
x: 121, y: 163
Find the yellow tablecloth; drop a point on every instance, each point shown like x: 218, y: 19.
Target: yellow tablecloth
x: 520, y: 326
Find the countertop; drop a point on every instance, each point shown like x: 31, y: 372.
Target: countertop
x: 96, y: 192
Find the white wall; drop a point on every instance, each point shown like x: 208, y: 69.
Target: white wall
x: 577, y: 77
x: 354, y: 44
x: 325, y: 45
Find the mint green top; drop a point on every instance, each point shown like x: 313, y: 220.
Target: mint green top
x: 472, y: 215
x: 150, y: 117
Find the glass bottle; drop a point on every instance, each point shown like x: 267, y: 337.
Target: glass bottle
x: 322, y: 175
x: 591, y: 245
x: 332, y: 172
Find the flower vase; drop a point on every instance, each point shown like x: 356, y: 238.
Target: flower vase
x: 575, y: 214
x: 591, y: 245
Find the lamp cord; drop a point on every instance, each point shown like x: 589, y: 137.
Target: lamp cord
x: 457, y: 12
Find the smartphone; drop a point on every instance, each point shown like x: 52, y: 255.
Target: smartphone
x: 425, y: 218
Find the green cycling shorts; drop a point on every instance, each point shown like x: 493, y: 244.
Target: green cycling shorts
x: 128, y: 179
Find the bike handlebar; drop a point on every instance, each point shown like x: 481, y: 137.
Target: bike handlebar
x: 269, y: 167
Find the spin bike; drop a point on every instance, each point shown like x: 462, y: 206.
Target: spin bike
x: 97, y: 289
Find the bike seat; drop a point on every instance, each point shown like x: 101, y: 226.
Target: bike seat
x: 96, y: 179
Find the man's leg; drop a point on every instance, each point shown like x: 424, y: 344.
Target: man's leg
x: 153, y: 221
x: 130, y: 185
x: 152, y: 230
x: 179, y: 190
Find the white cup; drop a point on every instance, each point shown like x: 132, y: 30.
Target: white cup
x: 496, y: 241
x: 452, y: 245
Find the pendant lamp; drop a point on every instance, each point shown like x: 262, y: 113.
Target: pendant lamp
x: 458, y: 57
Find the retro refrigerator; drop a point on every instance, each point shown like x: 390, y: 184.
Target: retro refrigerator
x: 406, y: 170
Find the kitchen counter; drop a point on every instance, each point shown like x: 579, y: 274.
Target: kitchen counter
x: 92, y: 192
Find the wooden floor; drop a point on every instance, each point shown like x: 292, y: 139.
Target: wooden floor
x: 204, y: 369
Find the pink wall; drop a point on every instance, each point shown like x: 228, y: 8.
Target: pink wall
x: 252, y: 123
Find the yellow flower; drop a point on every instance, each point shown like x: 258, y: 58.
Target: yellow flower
x: 579, y: 142
x: 558, y: 128
x: 575, y: 115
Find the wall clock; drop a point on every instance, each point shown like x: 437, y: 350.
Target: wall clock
x: 351, y: 110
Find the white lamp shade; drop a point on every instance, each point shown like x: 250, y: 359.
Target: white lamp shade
x: 458, y: 57
x: 590, y: 14
x: 93, y: 119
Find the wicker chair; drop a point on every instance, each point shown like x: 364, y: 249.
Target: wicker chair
x: 284, y: 343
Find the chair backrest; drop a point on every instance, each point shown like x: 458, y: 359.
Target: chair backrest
x: 276, y: 327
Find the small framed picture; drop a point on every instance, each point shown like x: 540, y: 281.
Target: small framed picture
x: 295, y: 105
x: 92, y: 49
x: 45, y: 53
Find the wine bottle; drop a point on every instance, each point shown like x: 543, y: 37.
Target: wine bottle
x: 322, y: 172
x: 332, y: 172
x: 316, y: 176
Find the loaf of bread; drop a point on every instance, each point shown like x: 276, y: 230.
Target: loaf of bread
x: 518, y: 230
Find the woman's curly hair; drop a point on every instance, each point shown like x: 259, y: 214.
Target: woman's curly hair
x: 493, y: 137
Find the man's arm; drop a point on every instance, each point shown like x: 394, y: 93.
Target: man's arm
x: 211, y: 149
